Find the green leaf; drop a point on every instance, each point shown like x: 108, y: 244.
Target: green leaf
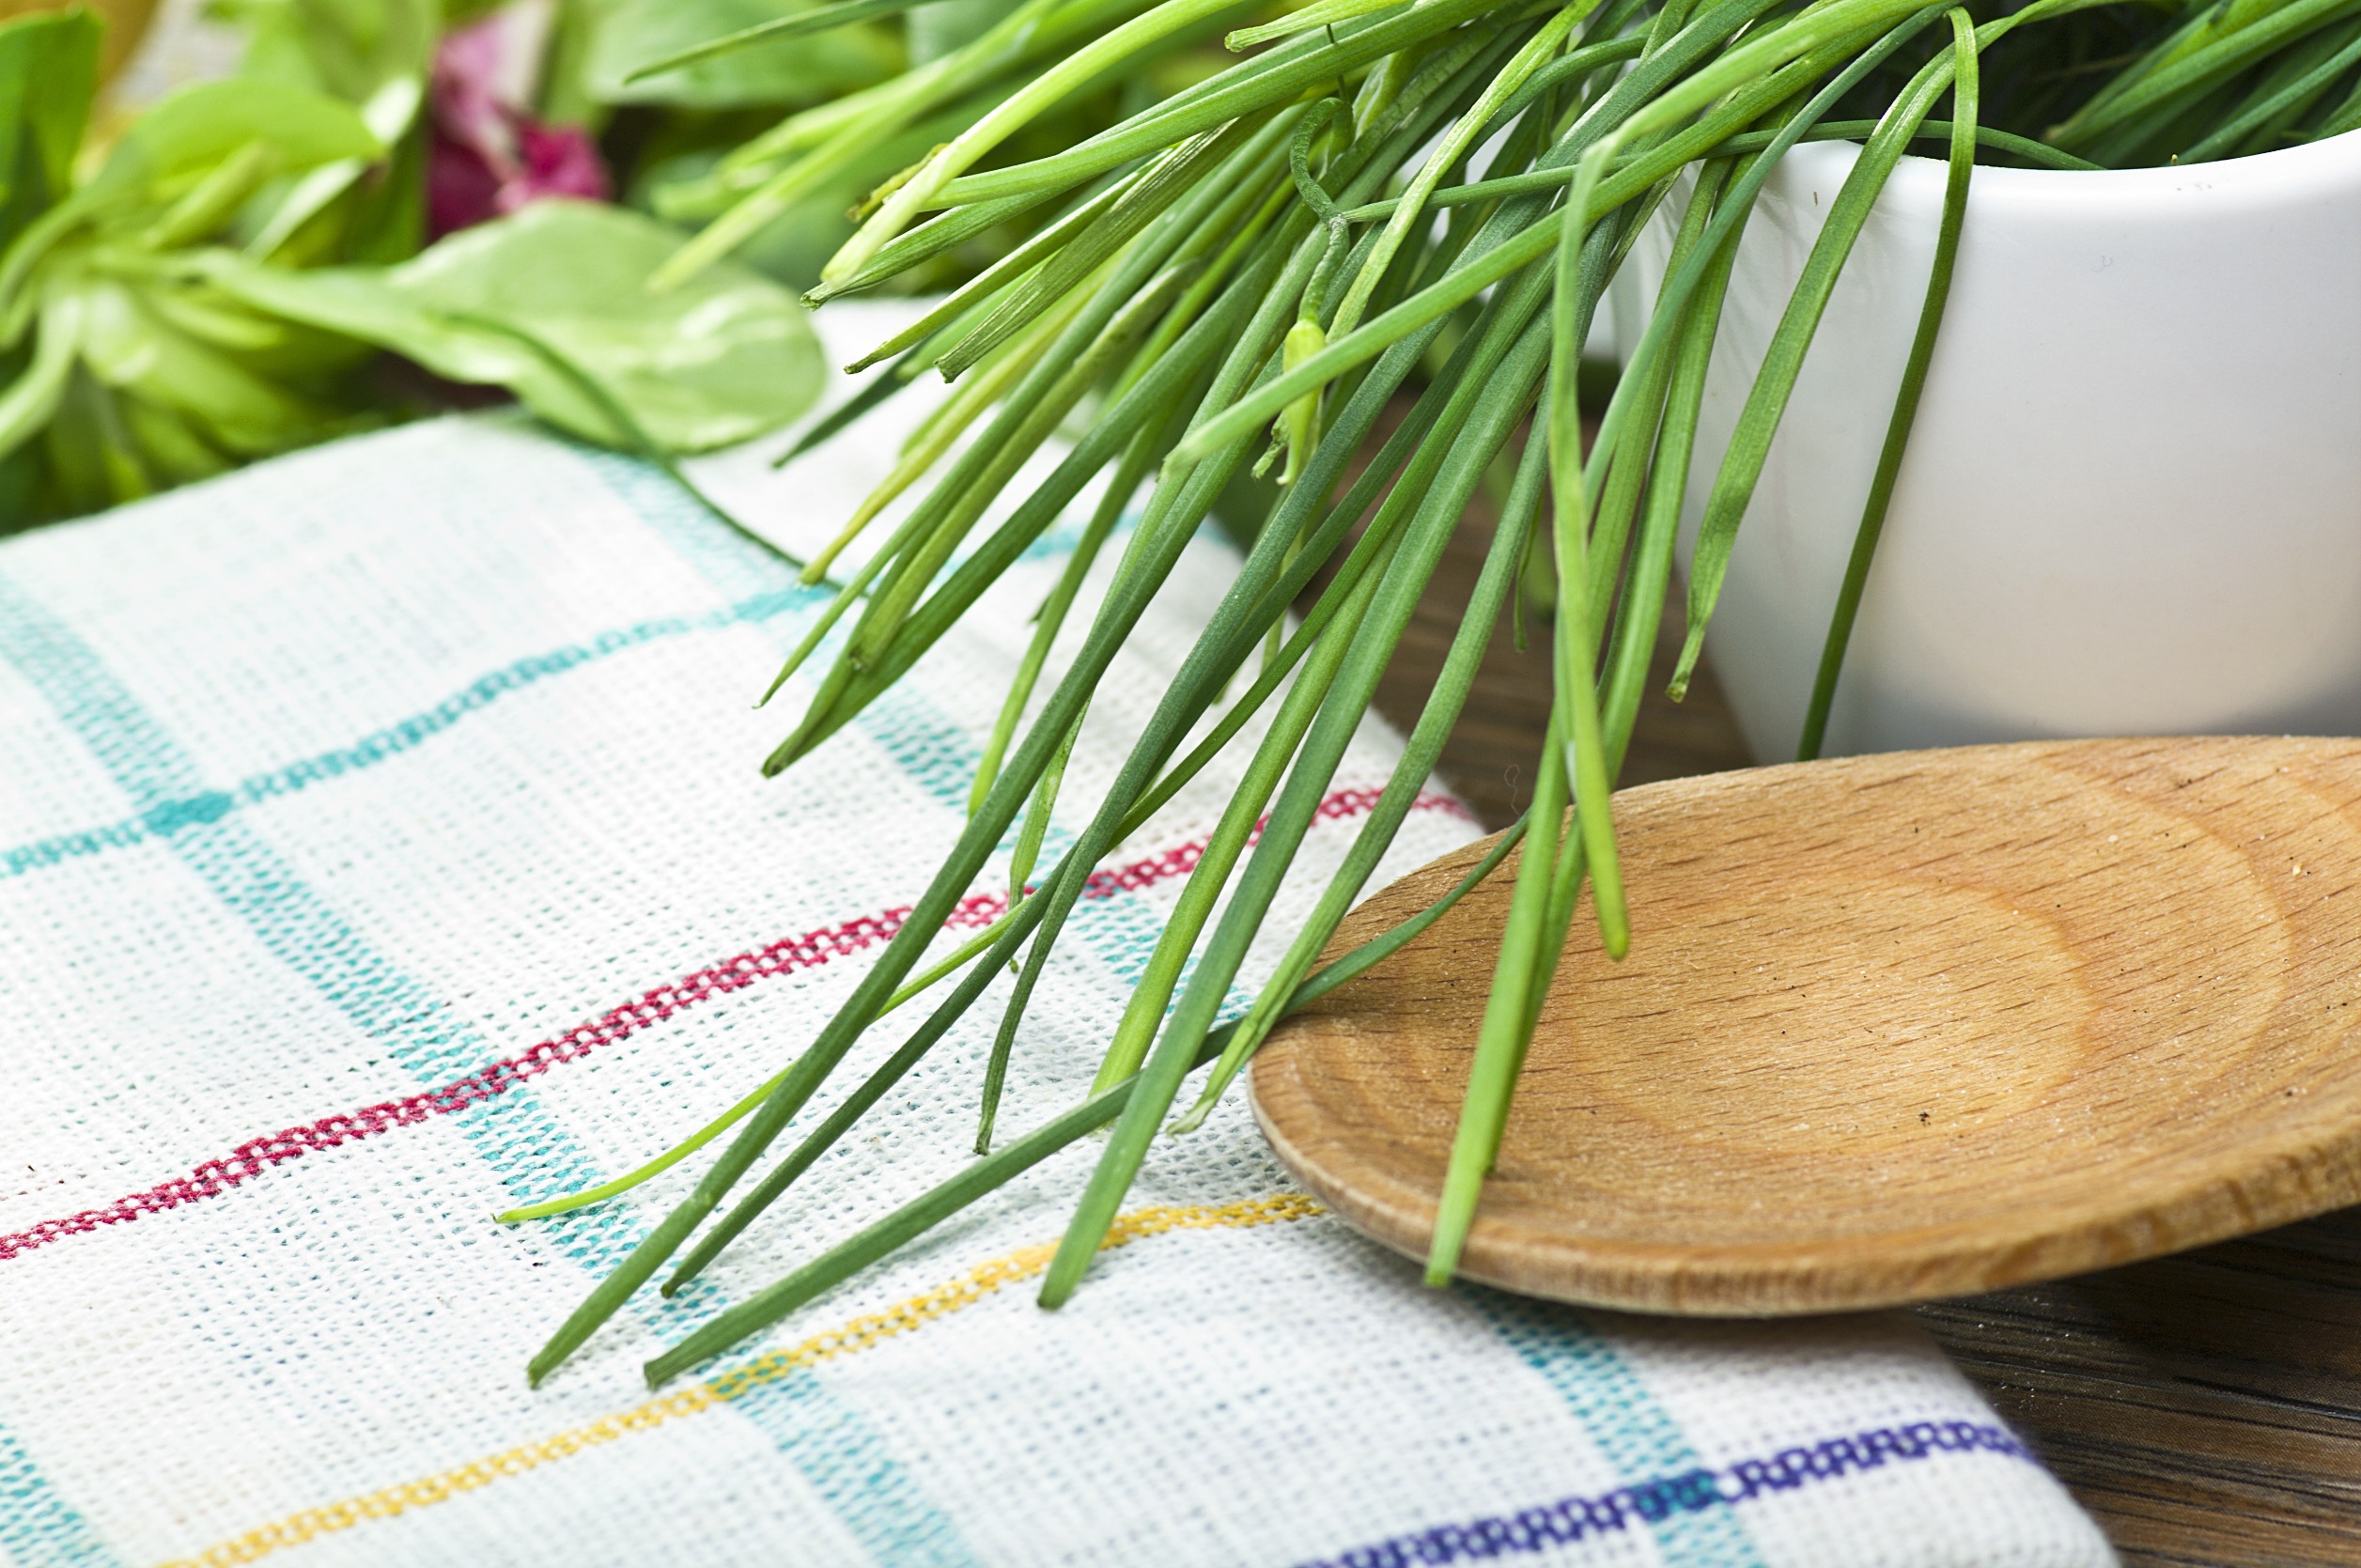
x: 49, y: 67
x: 31, y: 400
x: 351, y: 50
x: 376, y: 55
x: 719, y: 360
x: 129, y: 347
x: 173, y: 145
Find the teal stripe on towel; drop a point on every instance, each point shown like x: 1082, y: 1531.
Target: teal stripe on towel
x: 532, y: 1155
x: 826, y: 1439
x: 395, y: 740
x: 528, y: 1150
x: 37, y: 1528
x: 1637, y: 1434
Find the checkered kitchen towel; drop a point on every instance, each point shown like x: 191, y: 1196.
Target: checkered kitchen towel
x: 380, y: 846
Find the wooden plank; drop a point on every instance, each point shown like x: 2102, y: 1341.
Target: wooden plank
x: 2207, y: 1406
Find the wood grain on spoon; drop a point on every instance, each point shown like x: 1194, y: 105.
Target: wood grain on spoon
x: 1892, y: 1028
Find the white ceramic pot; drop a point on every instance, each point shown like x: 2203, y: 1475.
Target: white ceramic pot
x: 2131, y: 501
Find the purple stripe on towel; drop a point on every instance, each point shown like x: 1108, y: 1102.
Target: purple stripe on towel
x: 1573, y: 1519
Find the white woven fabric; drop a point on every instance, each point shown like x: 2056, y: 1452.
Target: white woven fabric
x: 382, y: 844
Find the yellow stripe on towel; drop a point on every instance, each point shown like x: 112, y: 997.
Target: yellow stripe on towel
x: 858, y: 1334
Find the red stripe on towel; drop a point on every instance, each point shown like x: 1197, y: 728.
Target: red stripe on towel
x: 811, y: 950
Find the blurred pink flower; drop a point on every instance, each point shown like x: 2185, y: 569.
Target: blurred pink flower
x: 486, y: 156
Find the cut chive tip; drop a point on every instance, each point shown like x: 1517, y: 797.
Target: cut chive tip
x: 1616, y: 939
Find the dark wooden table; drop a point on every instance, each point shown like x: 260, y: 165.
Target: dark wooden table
x: 2206, y: 1407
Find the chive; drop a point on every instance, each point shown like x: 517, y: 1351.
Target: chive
x: 1320, y: 13
x: 1488, y: 403
x: 1201, y: 281
x: 1695, y: 324
x: 987, y: 1176
x: 1240, y: 90
x: 1166, y: 537
x: 1151, y: 397
x: 1030, y: 414
x: 960, y: 304
x: 867, y: 400
x: 950, y: 230
x: 1229, y: 634
x: 1914, y: 376
x: 1574, y: 647
x: 1419, y: 753
x: 1007, y: 116
x: 1933, y: 129
x: 856, y: 1105
x: 1483, y: 266
x: 1542, y: 898
x: 1172, y: 518
x: 1167, y: 180
x: 1016, y: 357
x: 1499, y: 1044
x: 820, y: 18
x: 1454, y: 146
x: 1759, y: 420
x: 1628, y: 470
x: 1051, y: 618
x: 2202, y: 67
x: 805, y: 178
x: 2314, y: 81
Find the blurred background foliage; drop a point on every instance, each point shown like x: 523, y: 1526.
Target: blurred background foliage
x: 221, y: 221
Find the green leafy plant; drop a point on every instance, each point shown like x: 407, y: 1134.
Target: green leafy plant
x: 1240, y: 278
x: 553, y: 304
x: 215, y: 289
x: 126, y: 379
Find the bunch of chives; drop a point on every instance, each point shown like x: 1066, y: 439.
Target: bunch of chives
x: 1242, y: 277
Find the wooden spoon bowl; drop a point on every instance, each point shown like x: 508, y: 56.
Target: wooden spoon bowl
x: 1892, y: 1028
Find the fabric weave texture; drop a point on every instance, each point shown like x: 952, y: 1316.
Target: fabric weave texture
x: 381, y: 847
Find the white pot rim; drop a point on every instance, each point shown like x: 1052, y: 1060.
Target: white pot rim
x: 2306, y: 171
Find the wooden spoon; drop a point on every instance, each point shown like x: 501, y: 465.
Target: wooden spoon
x: 1892, y: 1028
